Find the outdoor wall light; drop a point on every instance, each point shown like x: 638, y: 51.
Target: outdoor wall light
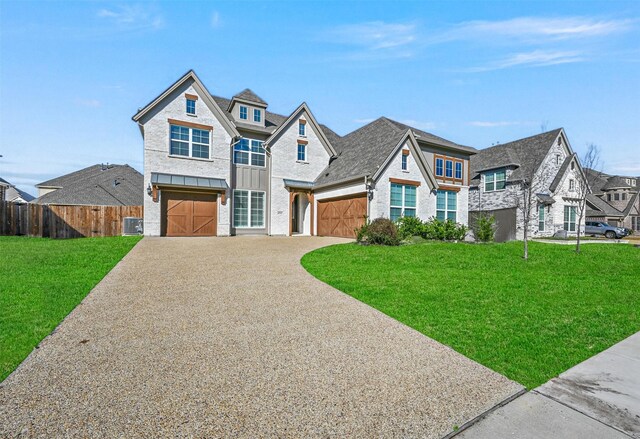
x: 149, y: 190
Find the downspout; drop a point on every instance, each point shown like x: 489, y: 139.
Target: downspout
x: 367, y: 187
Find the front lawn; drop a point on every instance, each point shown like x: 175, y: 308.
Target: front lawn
x: 41, y: 281
x: 527, y: 320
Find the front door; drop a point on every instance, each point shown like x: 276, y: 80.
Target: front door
x: 294, y: 214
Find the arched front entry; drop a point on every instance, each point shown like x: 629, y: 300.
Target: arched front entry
x: 300, y: 213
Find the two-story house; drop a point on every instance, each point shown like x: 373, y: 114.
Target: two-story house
x: 615, y: 199
x: 500, y: 175
x: 217, y: 167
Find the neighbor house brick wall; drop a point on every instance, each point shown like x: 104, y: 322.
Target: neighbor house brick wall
x: 157, y: 159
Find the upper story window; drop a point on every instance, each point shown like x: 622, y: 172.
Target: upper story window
x: 608, y: 197
x: 616, y: 196
x: 623, y: 196
x: 403, y: 200
x: 189, y: 142
x: 405, y: 160
x: 448, y: 167
x: 495, y: 181
x: 191, y: 106
x: 302, y: 128
x: 257, y: 115
x: 446, y: 205
x: 244, y: 112
x: 558, y: 159
x: 572, y: 184
x: 302, y: 152
x: 249, y: 152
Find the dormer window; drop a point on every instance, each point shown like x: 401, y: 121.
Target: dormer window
x: 244, y: 113
x: 495, y: 181
x: 302, y: 128
x: 191, y: 107
x: 257, y: 115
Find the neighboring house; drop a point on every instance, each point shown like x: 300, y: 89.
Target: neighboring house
x: 217, y: 166
x: 97, y: 185
x: 9, y: 192
x: 546, y: 160
x: 615, y: 199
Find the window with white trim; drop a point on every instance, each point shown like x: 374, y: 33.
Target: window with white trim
x: 257, y: 115
x: 458, y: 170
x: 405, y: 160
x: 446, y: 205
x: 302, y: 152
x: 189, y: 142
x: 541, y: 218
x: 439, y: 167
x: 244, y: 112
x: 302, y: 129
x: 248, y: 209
x: 191, y: 107
x: 448, y: 168
x: 570, y: 218
x: 495, y: 181
x: 403, y: 201
x: 249, y: 152
x: 572, y: 184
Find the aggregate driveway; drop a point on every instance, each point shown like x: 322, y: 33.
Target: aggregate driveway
x: 231, y: 337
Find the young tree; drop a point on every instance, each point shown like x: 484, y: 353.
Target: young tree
x: 591, y: 161
x: 525, y: 203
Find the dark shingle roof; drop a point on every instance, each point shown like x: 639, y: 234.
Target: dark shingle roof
x: 272, y: 120
x: 362, y: 151
x: 432, y: 138
x: 619, y: 181
x: 99, y: 185
x: 248, y: 95
x: 13, y: 192
x: 596, y: 179
x: 601, y: 206
x: 525, y: 154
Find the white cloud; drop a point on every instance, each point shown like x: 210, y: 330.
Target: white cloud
x: 375, y: 39
x: 538, y: 28
x: 133, y: 17
x: 536, y: 58
x: 215, y: 20
x: 91, y: 103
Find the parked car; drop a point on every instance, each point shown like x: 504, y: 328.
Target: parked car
x: 600, y: 228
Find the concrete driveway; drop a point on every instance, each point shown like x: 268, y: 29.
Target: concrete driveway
x: 231, y: 337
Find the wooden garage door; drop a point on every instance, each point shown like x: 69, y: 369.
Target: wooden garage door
x: 190, y: 214
x: 340, y: 217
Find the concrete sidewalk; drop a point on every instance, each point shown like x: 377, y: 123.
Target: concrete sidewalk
x: 598, y: 398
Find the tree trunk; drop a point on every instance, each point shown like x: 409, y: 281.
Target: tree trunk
x: 526, y: 244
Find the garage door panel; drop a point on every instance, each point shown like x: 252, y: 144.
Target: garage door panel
x: 191, y: 214
x: 341, y: 217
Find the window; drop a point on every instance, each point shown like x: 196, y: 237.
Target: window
x: 496, y: 181
x: 257, y: 115
x: 446, y: 205
x: 302, y: 129
x: 623, y: 196
x: 249, y: 152
x: 439, y: 167
x: 541, y: 218
x: 572, y: 184
x: 573, y: 166
x: 449, y: 168
x: 302, y: 152
x: 403, y: 201
x: 570, y: 218
x: 404, y: 161
x: 558, y: 158
x: 458, y: 170
x: 191, y: 106
x: 616, y: 196
x: 189, y: 142
x: 608, y: 197
x: 243, y: 112
x: 248, y: 209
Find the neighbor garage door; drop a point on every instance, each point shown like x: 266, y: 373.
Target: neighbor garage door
x: 340, y: 217
x: 190, y: 214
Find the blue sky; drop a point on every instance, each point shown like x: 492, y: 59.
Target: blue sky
x: 73, y: 74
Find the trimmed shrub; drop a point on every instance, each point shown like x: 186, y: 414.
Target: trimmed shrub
x: 409, y: 226
x: 380, y: 231
x: 444, y: 230
x: 484, y: 227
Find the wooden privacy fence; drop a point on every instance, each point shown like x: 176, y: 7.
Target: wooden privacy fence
x: 57, y: 221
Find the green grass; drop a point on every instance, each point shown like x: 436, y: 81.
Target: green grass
x: 41, y: 281
x: 529, y: 320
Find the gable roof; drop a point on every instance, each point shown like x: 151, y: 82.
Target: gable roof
x: 601, y: 207
x: 526, y: 155
x: 558, y: 178
x: 99, y: 185
x: 12, y: 193
x: 248, y: 95
x: 423, y: 136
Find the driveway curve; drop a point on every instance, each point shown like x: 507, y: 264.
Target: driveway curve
x: 231, y: 337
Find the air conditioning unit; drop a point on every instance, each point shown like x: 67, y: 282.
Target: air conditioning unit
x: 132, y: 226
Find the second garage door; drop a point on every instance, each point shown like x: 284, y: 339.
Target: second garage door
x: 340, y: 217
x: 190, y: 214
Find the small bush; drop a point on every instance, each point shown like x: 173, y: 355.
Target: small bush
x: 409, y: 226
x: 380, y: 231
x: 484, y: 227
x: 444, y: 230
